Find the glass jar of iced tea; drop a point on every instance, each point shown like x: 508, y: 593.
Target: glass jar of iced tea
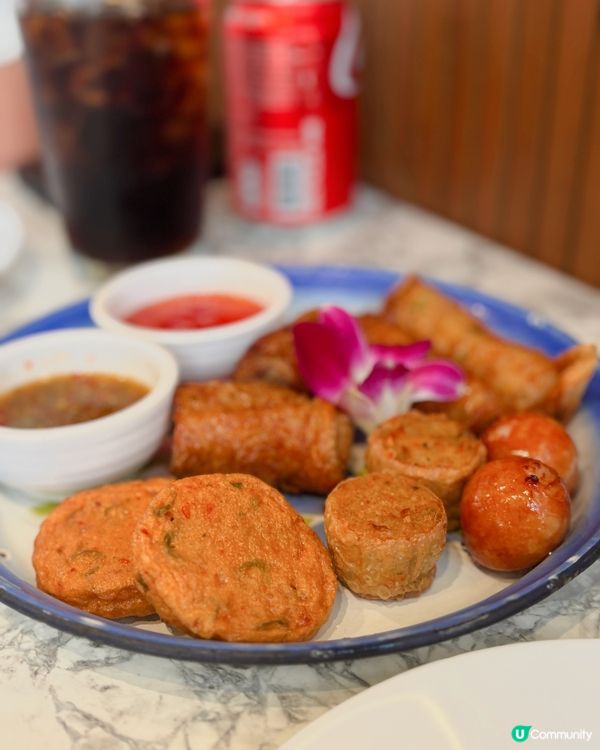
x: 120, y: 92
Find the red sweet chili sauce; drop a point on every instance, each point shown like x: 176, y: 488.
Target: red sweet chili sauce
x: 190, y: 311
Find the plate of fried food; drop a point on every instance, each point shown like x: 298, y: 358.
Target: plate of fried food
x: 400, y: 462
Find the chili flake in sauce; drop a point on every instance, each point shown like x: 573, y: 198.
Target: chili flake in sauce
x: 67, y: 399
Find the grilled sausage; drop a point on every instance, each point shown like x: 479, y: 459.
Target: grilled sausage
x: 514, y: 512
x: 534, y: 436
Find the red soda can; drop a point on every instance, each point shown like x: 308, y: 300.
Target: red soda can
x: 291, y: 95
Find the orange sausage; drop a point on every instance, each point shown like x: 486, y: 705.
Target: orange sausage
x: 514, y: 512
x: 534, y: 436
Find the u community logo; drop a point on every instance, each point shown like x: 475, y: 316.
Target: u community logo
x: 522, y: 732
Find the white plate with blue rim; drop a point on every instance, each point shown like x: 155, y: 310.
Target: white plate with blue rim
x: 11, y: 237
x: 495, y: 699
x: 463, y: 597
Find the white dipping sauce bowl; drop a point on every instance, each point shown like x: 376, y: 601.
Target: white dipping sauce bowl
x: 203, y: 353
x: 56, y: 461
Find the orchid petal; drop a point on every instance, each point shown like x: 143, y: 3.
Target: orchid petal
x: 371, y: 383
x: 353, y: 346
x: 436, y: 381
x: 362, y: 409
x: 405, y: 355
x: 356, y: 403
x: 382, y: 377
x: 321, y: 359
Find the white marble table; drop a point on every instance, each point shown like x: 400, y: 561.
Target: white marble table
x: 59, y: 691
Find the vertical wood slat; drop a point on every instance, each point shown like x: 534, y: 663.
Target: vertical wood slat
x: 465, y: 114
x: 433, y: 87
x: 502, y: 36
x: 387, y: 153
x: 585, y: 255
x: 528, y: 132
x: 578, y: 28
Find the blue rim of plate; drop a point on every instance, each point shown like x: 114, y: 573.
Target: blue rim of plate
x: 580, y: 550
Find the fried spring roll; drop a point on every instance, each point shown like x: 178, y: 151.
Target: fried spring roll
x: 522, y: 378
x: 379, y: 330
x: 576, y: 367
x: 476, y: 409
x: 273, y: 357
x: 293, y: 442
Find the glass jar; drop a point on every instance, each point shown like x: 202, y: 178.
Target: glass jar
x: 120, y: 93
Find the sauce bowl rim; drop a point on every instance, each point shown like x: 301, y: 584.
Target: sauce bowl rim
x: 167, y: 380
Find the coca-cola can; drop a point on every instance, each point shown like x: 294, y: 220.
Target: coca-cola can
x: 291, y: 96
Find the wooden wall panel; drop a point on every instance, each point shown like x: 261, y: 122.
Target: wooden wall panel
x: 463, y: 113
x: 433, y: 95
x: 535, y: 59
x: 388, y: 157
x: 585, y: 239
x: 501, y: 34
x: 578, y: 31
x: 490, y: 118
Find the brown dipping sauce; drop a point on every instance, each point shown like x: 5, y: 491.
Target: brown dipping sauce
x: 67, y: 399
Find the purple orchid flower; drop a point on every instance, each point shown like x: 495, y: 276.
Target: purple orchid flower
x: 370, y: 382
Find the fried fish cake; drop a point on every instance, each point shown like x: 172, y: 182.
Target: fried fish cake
x: 430, y: 448
x: 82, y: 553
x: 289, y: 440
x: 224, y: 556
x: 385, y: 534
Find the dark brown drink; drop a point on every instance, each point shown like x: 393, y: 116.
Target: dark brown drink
x: 121, y: 107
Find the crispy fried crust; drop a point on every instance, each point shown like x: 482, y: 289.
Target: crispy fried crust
x: 476, y: 409
x: 224, y: 556
x: 379, y: 330
x: 273, y: 357
x: 82, y: 553
x: 286, y: 439
x: 523, y: 378
x: 576, y: 367
x: 429, y: 448
x: 385, y: 534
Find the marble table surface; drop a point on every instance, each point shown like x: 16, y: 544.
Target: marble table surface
x: 58, y: 691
